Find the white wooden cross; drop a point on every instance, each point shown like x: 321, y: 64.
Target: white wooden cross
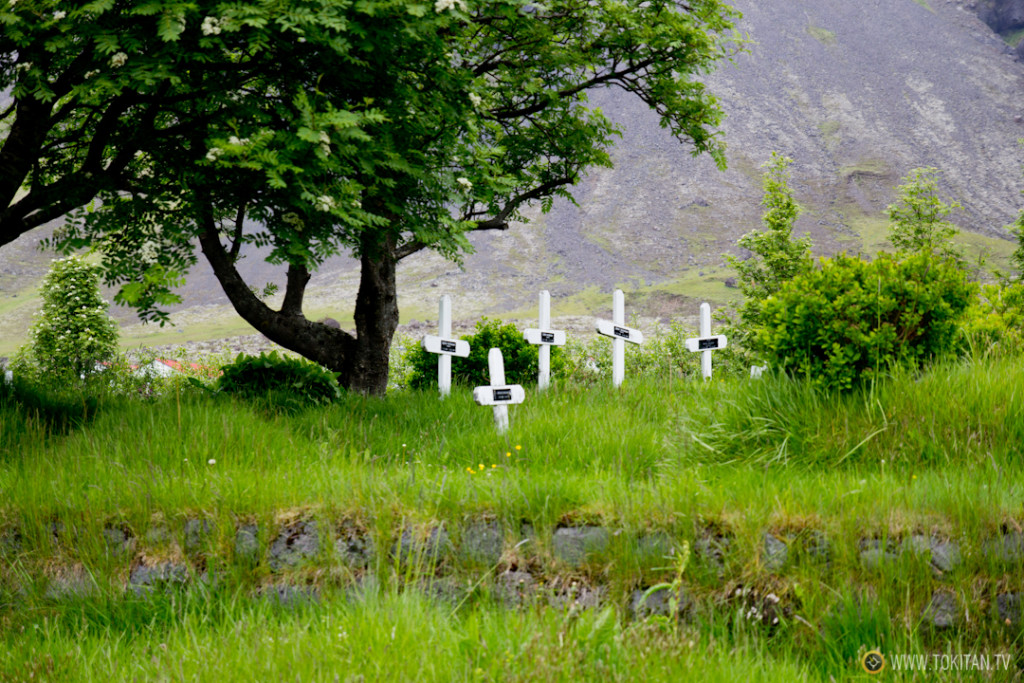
x: 545, y: 337
x: 706, y: 343
x: 498, y: 394
x: 445, y: 346
x: 620, y: 334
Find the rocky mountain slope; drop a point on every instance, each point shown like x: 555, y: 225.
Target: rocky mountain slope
x: 858, y: 93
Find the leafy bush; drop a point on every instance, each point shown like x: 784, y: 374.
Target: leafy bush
x: 853, y: 319
x: 994, y: 323
x: 519, y: 355
x: 283, y: 382
x: 73, y: 333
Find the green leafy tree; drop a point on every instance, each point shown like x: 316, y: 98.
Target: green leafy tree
x: 73, y: 332
x: 376, y: 128
x: 776, y: 257
x: 917, y: 220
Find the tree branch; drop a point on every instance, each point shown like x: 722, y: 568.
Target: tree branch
x: 502, y: 114
x: 295, y: 289
x: 497, y: 222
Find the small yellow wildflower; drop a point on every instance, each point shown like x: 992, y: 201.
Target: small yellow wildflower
x: 493, y: 466
x: 519, y: 448
x: 470, y: 470
x: 508, y: 455
x: 481, y: 465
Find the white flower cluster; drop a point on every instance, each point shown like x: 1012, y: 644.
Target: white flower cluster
x: 59, y: 14
x: 465, y: 182
x: 90, y: 74
x: 213, y: 154
x: 325, y: 143
x: 324, y: 203
x: 23, y: 66
x: 235, y: 140
x: 475, y: 99
x: 211, y: 26
x: 147, y: 252
x: 445, y: 5
x: 118, y: 59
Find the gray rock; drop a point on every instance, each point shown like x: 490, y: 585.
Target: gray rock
x: 575, y: 545
x: 578, y: 596
x: 144, y: 579
x: 874, y: 553
x: 119, y: 541
x: 482, y: 543
x: 247, y: 543
x: 355, y: 547
x: 711, y: 548
x: 426, y: 551
x: 294, y: 545
x: 945, y: 555
x: 514, y: 588
x: 197, y: 533
x: 941, y: 612
x: 775, y: 553
x: 658, y: 603
x: 1007, y: 548
x: 75, y: 583
x: 289, y: 597
x: 1010, y: 607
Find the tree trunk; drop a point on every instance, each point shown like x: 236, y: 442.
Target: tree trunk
x: 376, y: 317
x: 361, y: 361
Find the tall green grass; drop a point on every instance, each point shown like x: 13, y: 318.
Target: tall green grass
x: 935, y: 453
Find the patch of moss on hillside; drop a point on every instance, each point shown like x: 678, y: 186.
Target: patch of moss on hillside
x: 822, y: 35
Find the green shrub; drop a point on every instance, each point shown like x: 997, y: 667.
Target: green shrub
x: 853, y: 318
x: 73, y: 332
x: 56, y: 408
x: 663, y: 354
x: 283, y: 382
x: 519, y: 355
x: 994, y: 323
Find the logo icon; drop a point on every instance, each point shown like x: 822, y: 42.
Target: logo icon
x: 873, y: 662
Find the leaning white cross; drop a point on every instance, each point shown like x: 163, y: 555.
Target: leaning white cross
x: 706, y: 343
x: 445, y: 346
x: 545, y: 338
x: 497, y: 393
x: 620, y: 334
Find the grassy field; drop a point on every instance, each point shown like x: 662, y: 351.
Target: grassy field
x: 707, y: 470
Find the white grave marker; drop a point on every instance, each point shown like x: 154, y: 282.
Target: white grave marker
x: 620, y: 334
x: 498, y: 394
x: 445, y: 346
x: 706, y: 343
x: 545, y: 338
